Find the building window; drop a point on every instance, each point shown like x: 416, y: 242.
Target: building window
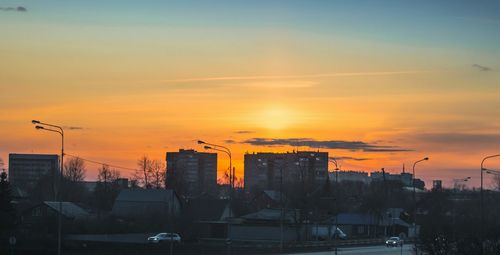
x: 361, y: 229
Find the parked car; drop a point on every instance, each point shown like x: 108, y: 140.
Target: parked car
x: 165, y: 237
x: 393, y: 242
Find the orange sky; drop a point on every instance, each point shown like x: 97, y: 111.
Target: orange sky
x: 138, y: 89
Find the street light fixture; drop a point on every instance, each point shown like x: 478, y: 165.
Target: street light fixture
x: 337, y: 168
x: 216, y: 147
x: 415, y: 199
x: 56, y: 129
x: 458, y: 181
x: 482, y: 198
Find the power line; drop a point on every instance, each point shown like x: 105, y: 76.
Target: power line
x: 101, y: 163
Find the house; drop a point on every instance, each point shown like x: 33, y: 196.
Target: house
x: 134, y: 203
x: 268, y: 224
x: 70, y: 211
x: 394, y: 225
x: 268, y: 199
x: 206, y: 218
x: 358, y: 225
x: 43, y: 217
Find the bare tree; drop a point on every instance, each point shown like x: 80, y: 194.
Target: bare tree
x: 496, y: 181
x: 74, y: 170
x: 238, y: 182
x: 107, y: 188
x: 143, y: 174
x: 107, y: 175
x: 158, y: 175
x: 224, y: 180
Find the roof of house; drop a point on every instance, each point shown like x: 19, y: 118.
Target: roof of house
x: 269, y: 214
x: 145, y: 195
x: 394, y: 221
x: 203, y: 209
x: 274, y: 195
x: 355, y: 219
x: 69, y: 209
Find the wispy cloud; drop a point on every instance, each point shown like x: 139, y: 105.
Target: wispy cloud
x: 15, y: 9
x: 244, y: 132
x: 276, y: 77
x: 350, y: 158
x: 326, y: 144
x: 229, y: 141
x: 73, y: 128
x: 481, y: 68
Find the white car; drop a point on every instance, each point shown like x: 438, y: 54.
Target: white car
x: 165, y: 237
x: 394, y: 242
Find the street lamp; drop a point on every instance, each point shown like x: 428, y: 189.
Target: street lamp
x: 337, y: 168
x: 216, y: 147
x: 415, y: 200
x: 57, y: 129
x: 482, y: 198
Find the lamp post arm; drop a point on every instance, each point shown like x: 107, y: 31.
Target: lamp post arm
x: 215, y: 149
x: 484, y: 159
x: 51, y: 125
x: 226, y: 149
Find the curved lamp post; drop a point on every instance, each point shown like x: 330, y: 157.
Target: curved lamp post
x: 337, y: 168
x: 482, y: 197
x: 57, y: 129
x: 216, y: 147
x: 415, y: 199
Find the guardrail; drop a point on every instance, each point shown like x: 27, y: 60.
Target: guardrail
x: 275, y: 244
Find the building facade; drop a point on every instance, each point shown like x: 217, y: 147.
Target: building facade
x: 266, y: 171
x: 405, y: 178
x: 354, y: 176
x: 25, y: 170
x: 191, y: 173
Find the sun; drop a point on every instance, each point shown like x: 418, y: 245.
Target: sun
x: 276, y: 117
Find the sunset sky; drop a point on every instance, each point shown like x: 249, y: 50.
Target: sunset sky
x: 375, y: 83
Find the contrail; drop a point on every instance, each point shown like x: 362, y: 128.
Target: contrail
x: 271, y: 77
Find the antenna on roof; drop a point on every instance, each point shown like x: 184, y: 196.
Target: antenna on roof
x: 403, y: 168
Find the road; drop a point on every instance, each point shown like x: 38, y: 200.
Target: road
x: 369, y: 250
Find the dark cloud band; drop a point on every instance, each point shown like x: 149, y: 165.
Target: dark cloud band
x: 350, y: 158
x: 327, y: 144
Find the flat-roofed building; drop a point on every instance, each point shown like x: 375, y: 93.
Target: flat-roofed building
x: 191, y: 173
x: 354, y: 176
x: 25, y: 170
x: 264, y: 170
